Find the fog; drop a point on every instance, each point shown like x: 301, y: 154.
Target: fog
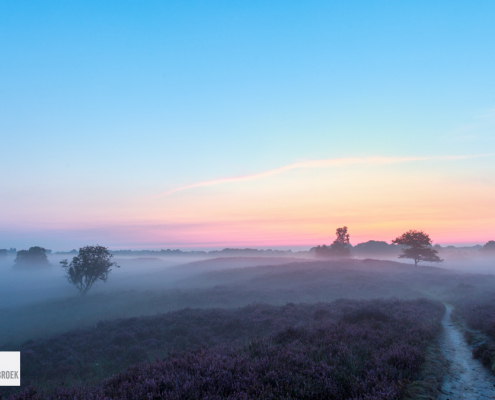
x: 40, y: 301
x: 24, y: 286
x: 19, y: 287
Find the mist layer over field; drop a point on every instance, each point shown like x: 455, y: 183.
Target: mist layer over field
x: 151, y: 273
x: 41, y: 311
x: 42, y: 302
x: 20, y: 286
x: 39, y: 303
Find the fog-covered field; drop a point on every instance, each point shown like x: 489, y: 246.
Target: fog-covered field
x: 165, y: 307
x: 21, y: 287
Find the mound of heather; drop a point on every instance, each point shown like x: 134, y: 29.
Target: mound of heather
x: 341, y: 350
x: 110, y: 346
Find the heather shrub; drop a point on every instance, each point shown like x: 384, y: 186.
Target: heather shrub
x: 88, y: 355
x: 357, y: 350
x: 484, y: 353
x: 477, y: 311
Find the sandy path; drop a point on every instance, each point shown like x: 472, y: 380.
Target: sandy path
x: 467, y: 378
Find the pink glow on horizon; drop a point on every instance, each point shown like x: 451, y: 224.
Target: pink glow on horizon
x: 377, y: 198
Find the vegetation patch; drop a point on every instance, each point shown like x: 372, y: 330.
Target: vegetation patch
x: 428, y: 383
x: 475, y: 312
x: 344, y: 349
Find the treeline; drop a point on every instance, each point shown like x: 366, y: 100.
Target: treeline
x: 228, y: 252
x: 13, y: 251
x: 371, y: 248
x: 5, y: 252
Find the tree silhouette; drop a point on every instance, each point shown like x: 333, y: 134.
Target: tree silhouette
x: 339, y: 248
x: 93, y: 263
x: 35, y: 256
x: 418, y: 247
x: 488, y: 248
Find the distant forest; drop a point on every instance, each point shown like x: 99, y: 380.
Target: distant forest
x: 369, y: 248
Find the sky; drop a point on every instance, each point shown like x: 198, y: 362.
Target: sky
x: 211, y: 124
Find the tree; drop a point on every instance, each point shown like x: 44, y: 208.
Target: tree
x: 339, y: 248
x: 488, y: 248
x: 418, y: 247
x: 93, y: 263
x: 374, y: 248
x: 35, y: 256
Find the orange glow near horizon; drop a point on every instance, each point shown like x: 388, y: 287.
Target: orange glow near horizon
x: 304, y: 206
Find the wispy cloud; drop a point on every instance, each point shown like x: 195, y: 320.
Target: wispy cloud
x: 480, y: 126
x: 311, y: 164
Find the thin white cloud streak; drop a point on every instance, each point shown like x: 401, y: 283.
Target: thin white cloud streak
x: 311, y: 164
x: 476, y: 129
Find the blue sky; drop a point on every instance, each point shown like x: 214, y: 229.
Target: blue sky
x: 105, y: 102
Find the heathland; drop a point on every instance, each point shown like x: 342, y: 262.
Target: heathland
x: 244, y: 327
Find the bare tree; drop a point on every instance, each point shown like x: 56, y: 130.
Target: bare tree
x: 418, y: 247
x: 93, y: 263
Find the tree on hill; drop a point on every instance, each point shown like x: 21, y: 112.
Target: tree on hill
x: 93, y: 263
x: 34, y: 257
x: 340, y: 247
x: 489, y: 248
x: 418, y: 247
x: 374, y: 248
